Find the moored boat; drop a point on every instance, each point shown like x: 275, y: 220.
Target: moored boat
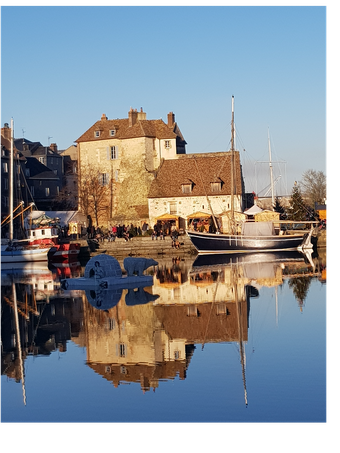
x: 247, y: 235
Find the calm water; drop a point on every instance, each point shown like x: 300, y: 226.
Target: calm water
x: 211, y: 341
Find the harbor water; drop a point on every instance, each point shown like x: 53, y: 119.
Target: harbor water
x: 213, y: 340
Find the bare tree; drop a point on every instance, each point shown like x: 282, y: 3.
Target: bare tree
x: 65, y: 201
x: 94, y: 193
x: 313, y: 187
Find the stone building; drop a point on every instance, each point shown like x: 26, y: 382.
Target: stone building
x: 126, y: 154
x: 192, y: 184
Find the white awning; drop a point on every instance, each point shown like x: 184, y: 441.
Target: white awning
x: 253, y: 210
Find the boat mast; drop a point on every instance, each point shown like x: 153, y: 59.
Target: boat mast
x: 232, y: 166
x: 11, y: 185
x: 271, y: 171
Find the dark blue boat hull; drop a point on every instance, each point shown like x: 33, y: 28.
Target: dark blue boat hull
x: 224, y: 243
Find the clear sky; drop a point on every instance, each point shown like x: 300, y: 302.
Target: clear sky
x: 63, y: 67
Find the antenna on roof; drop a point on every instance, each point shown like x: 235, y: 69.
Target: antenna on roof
x: 48, y: 138
x: 23, y: 133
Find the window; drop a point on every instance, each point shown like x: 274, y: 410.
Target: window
x: 186, y: 188
x: 104, y: 179
x: 42, y: 160
x: 113, y: 153
x: 167, y: 144
x: 177, y: 355
x: 173, y: 207
x: 112, y: 132
x: 97, y: 134
x: 192, y: 310
x: 51, y: 160
x: 122, y: 350
x: 221, y: 309
x: 215, y: 186
x: 47, y: 191
x: 32, y: 190
x: 27, y: 172
x: 55, y: 172
x: 5, y: 167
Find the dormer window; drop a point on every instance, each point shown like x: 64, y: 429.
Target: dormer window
x: 215, y: 186
x: 97, y: 134
x: 187, y: 188
x: 112, y: 132
x: 167, y: 144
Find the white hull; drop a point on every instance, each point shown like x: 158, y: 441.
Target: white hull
x: 23, y: 255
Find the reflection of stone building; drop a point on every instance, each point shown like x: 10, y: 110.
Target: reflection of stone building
x: 152, y: 342
x: 128, y: 344
x: 175, y: 285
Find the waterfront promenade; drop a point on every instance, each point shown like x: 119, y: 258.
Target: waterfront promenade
x: 145, y: 246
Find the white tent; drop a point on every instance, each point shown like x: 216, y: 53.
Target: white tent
x: 65, y: 217
x: 253, y: 210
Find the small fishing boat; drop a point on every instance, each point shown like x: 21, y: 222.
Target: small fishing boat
x: 16, y: 251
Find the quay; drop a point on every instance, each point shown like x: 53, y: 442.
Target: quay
x: 145, y: 246
x: 139, y: 246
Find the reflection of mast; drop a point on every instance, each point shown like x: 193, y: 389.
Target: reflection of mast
x: 240, y: 332
x: 213, y: 302
x: 18, y: 340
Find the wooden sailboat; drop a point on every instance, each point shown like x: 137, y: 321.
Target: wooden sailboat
x: 254, y: 236
x: 14, y: 251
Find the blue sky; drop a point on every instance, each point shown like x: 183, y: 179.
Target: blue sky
x: 63, y: 67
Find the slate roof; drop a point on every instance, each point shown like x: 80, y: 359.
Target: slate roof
x: 142, y: 128
x: 39, y: 170
x: 193, y: 169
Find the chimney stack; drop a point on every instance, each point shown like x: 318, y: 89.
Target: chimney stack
x: 6, y: 131
x: 54, y: 147
x: 141, y: 115
x: 104, y: 117
x: 171, y: 119
x: 133, y: 115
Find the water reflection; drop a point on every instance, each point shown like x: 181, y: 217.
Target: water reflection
x: 148, y: 335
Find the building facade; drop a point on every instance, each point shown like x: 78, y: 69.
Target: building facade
x: 125, y: 154
x: 195, y: 183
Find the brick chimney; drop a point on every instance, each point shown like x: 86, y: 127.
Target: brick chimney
x: 133, y: 116
x: 104, y: 117
x: 54, y: 147
x: 171, y: 119
x: 6, y: 131
x: 141, y: 115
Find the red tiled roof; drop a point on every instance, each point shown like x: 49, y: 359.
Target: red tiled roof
x: 193, y: 169
x: 142, y: 128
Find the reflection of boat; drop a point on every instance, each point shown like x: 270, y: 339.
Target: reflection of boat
x: 247, y: 258
x: 103, y: 271
x: 254, y: 236
x: 16, y: 251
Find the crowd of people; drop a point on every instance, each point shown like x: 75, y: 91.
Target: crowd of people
x: 159, y: 231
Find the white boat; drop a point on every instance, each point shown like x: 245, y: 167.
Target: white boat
x: 15, y: 251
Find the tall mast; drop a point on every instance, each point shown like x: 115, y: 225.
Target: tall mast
x: 11, y: 184
x: 271, y: 171
x: 232, y: 165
